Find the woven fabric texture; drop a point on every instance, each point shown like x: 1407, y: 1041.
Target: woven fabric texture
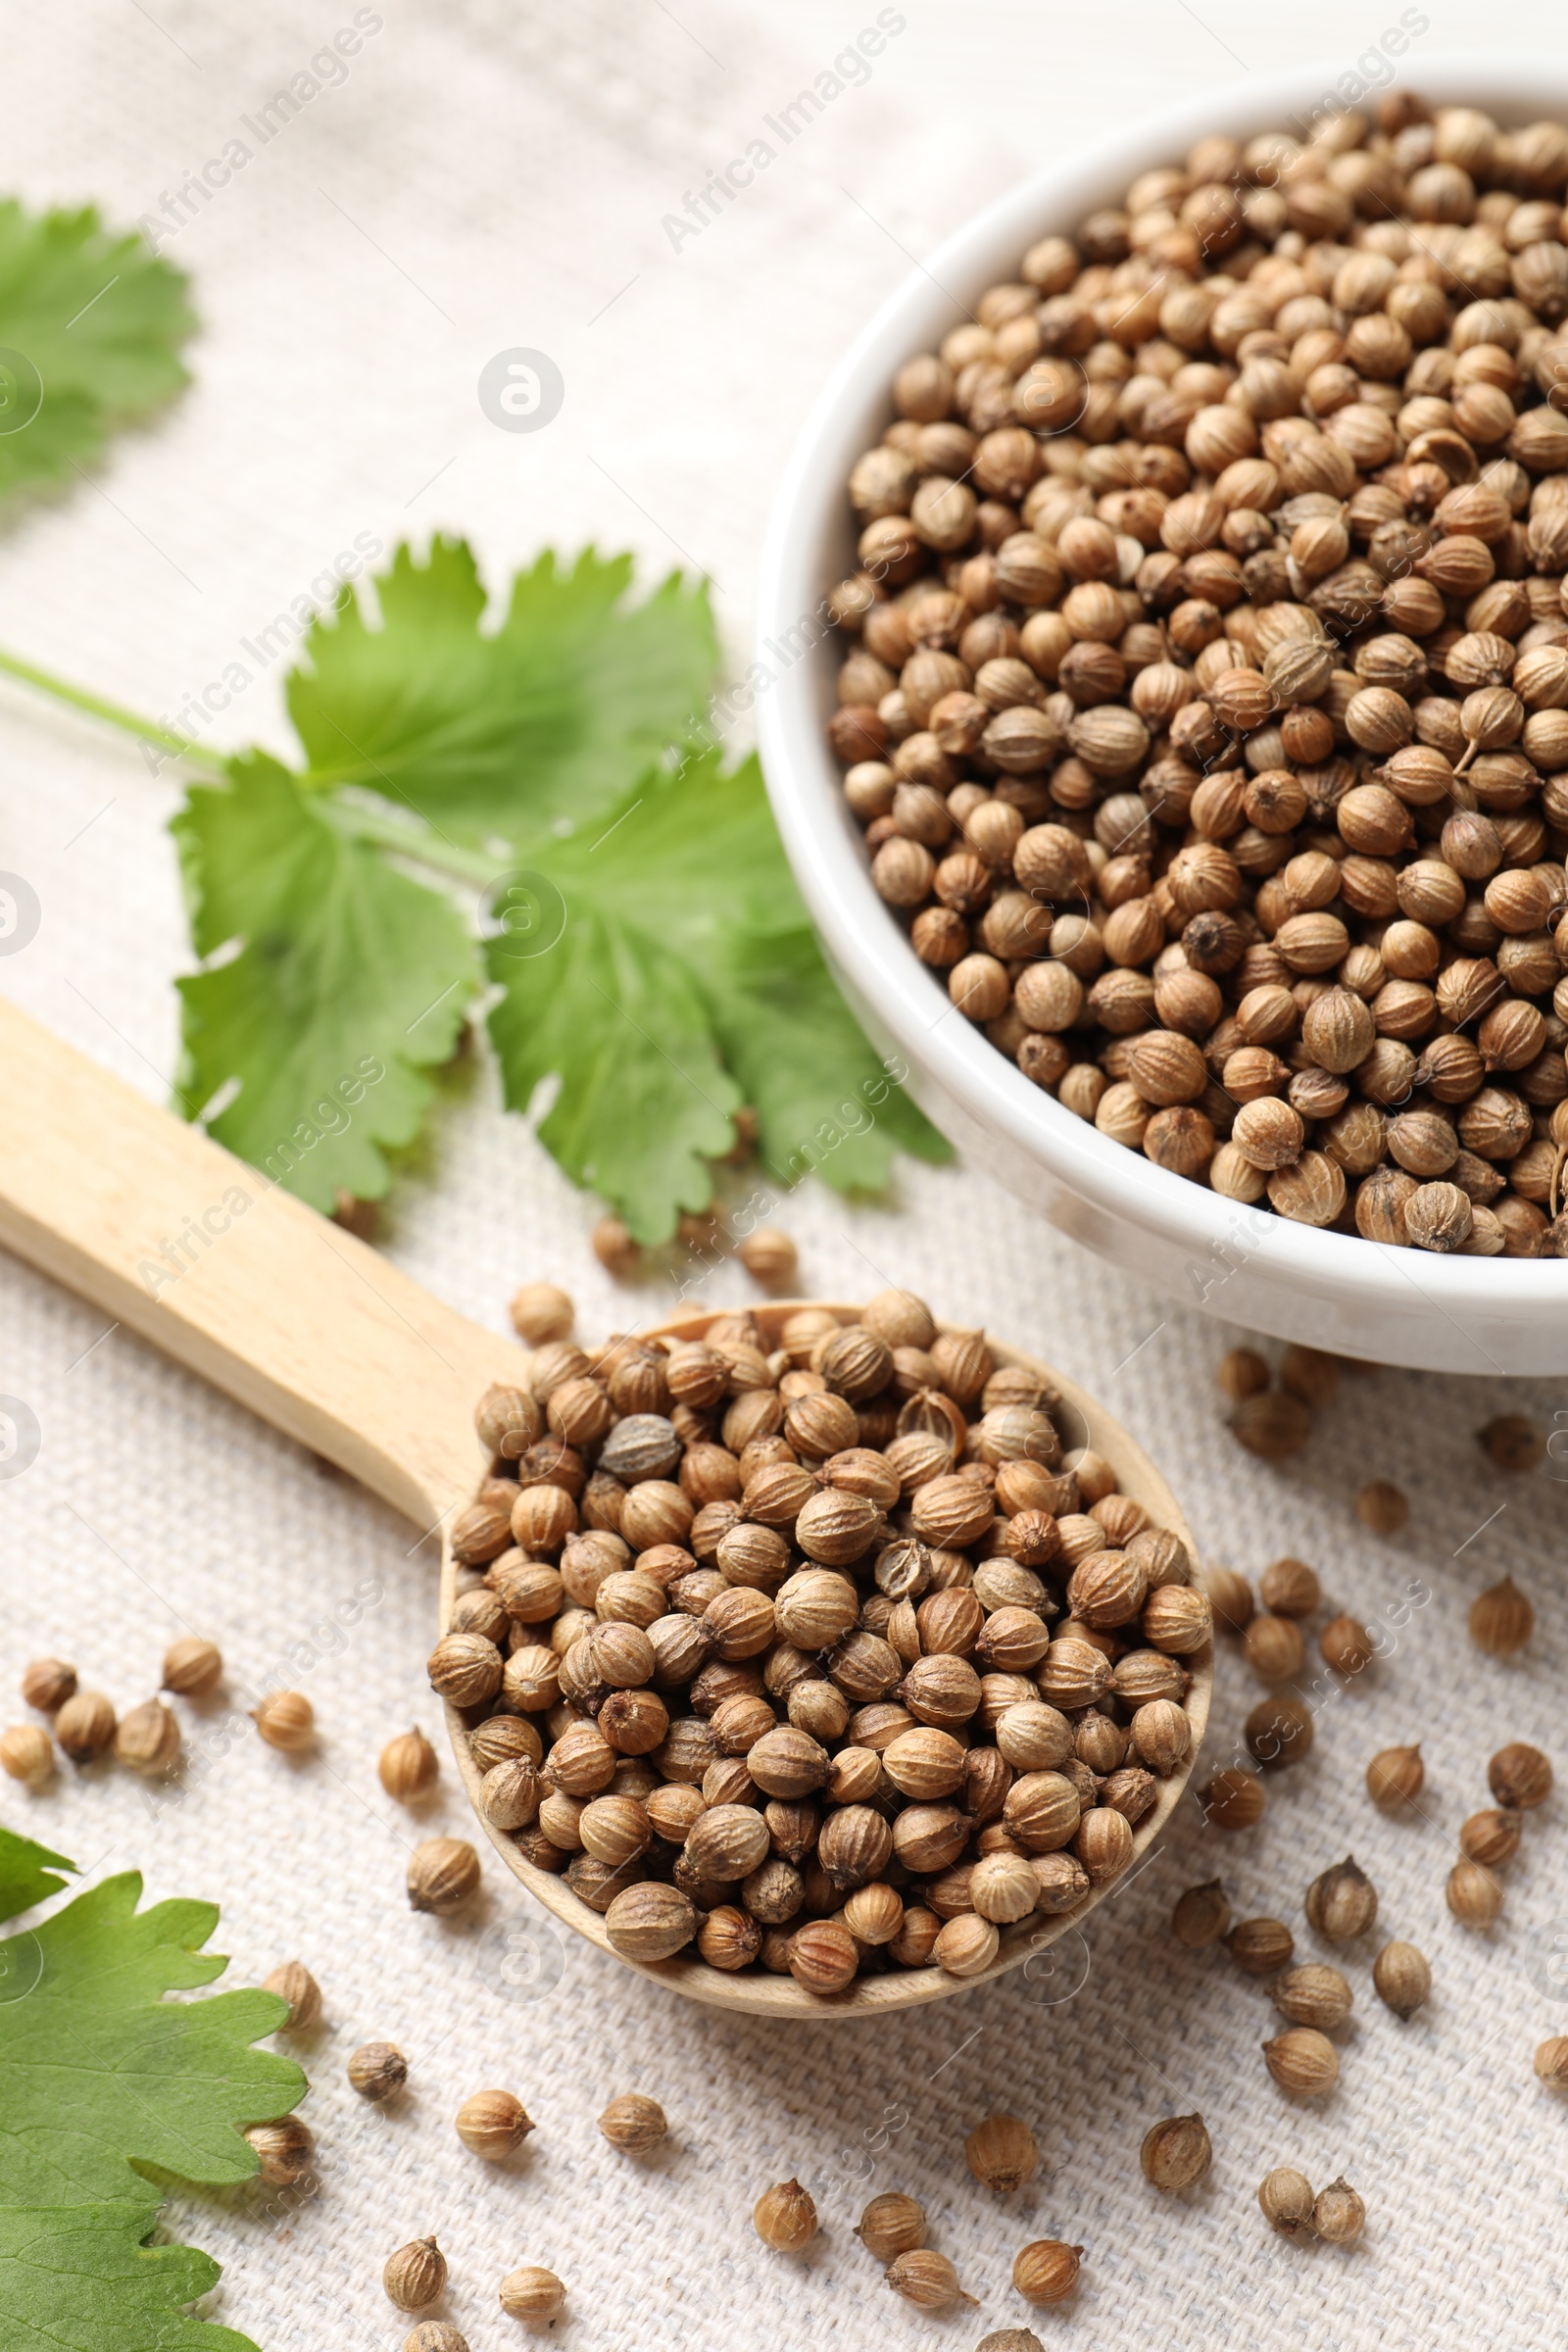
x: 487, y: 176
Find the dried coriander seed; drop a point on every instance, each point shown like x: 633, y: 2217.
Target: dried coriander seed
x: 1302, y: 2061
x: 1394, y: 1778
x: 408, y: 1766
x: 1046, y: 2270
x: 435, y: 2335
x: 1338, y: 2213
x: 47, y: 1684
x: 492, y: 2124
x: 1003, y: 2153
x: 285, y: 2150
x: 1010, y: 2339
x: 415, y: 2276
x: 377, y: 2070
x: 1176, y: 2152
x: 785, y: 2216
x: 1347, y: 1646
x: 1290, y: 1589
x: 1313, y: 1995
x: 1242, y: 1373
x: 1201, y: 1915
x: 769, y: 1258
x: 1501, y: 1620
x: 84, y: 1725
x: 192, y: 1666
x: 1512, y: 1441
x: 633, y: 2124
x: 1382, y: 1507
x: 1230, y: 1597
x: 292, y: 1981
x: 890, y: 2225
x: 1259, y: 1946
x: 925, y: 2279
x: 1233, y: 1800
x: 1491, y: 1837
x: 1473, y: 1894
x: 532, y: 2294
x: 1342, y: 1902
x: 147, y: 1738
x: 1273, y: 1425
x: 1552, y: 2061
x: 1519, y: 1776
x: 1402, y: 1978
x: 27, y: 1753
x: 1287, y: 2201
x: 443, y: 1875
x: 541, y: 1312
x: 286, y: 1720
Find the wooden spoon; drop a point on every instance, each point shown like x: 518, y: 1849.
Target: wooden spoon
x: 235, y: 1279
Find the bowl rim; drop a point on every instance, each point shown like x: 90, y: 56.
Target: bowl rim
x: 760, y: 1996
x: 790, y: 684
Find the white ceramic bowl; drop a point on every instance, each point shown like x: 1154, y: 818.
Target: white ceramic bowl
x: 1332, y: 1290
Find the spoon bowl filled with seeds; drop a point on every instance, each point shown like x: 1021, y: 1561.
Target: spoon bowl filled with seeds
x: 817, y: 1660
x: 817, y: 1675
x: 1168, y: 720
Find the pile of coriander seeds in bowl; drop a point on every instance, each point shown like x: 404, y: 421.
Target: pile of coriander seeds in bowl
x: 806, y: 1659
x: 1206, y: 694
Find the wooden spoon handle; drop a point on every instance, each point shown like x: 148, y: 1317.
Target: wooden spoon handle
x: 235, y: 1279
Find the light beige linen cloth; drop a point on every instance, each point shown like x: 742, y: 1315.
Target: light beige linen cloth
x: 483, y: 177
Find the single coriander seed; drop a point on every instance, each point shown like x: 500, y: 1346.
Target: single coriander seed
x: 147, y: 1738
x: 293, y: 1982
x: 1501, y: 1620
x: 1242, y: 1373
x: 1230, y: 1597
x: 1519, y: 1775
x: 1313, y: 1995
x: 443, y: 1875
x: 27, y: 1753
x: 1176, y: 2152
x: 1474, y: 1895
x: 1339, y: 2215
x: 286, y: 2148
x: 616, y: 1247
x: 926, y: 2279
x: 1394, y: 1778
x: 633, y: 2124
x: 435, y: 2335
x: 1201, y: 1915
x: 1342, y: 1902
x: 1287, y: 2201
x: 1259, y: 1946
x: 408, y: 1766
x: 531, y: 2294
x: 1552, y: 2061
x: 377, y: 2070
x: 769, y: 1258
x: 1512, y: 1441
x: 1402, y: 1978
x: 892, y: 2224
x: 492, y: 2124
x: 784, y: 2217
x: 1046, y: 2270
x: 1490, y: 1836
x: 1383, y: 1506
x: 415, y: 2274
x: 541, y: 1313
x: 286, y: 1720
x: 86, y: 1725
x: 1002, y: 2153
x: 1010, y: 2339
x: 191, y: 1665
x: 47, y: 1684
x: 1302, y: 2061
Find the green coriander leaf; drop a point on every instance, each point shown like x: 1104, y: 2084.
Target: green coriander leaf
x: 685, y: 980
x: 548, y: 715
x: 349, y: 981
x: 99, y: 2079
x: 27, y: 1874
x: 90, y: 329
